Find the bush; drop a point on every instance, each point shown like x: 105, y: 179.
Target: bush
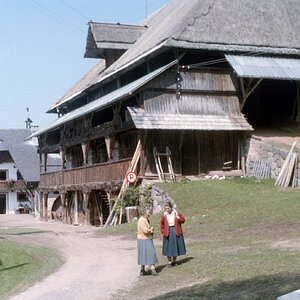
x: 140, y: 197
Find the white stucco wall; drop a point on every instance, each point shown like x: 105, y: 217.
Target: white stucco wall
x: 12, y: 170
x: 11, y: 196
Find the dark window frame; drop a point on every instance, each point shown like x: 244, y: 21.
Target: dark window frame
x: 22, y: 200
x: 6, y: 174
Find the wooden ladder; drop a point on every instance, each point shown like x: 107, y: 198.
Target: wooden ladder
x: 159, y: 167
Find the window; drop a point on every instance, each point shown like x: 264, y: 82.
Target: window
x: 3, y: 175
x: 22, y: 197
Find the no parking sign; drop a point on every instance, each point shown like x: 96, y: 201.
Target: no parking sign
x: 131, y: 177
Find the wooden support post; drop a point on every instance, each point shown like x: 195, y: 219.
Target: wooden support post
x: 80, y: 207
x: 199, y: 156
x: 108, y: 147
x: 98, y: 203
x: 181, y: 140
x: 45, y: 162
x: 62, y: 153
x: 243, y: 158
x: 143, y: 156
x: 70, y: 208
x: 41, y: 163
x: 75, y: 222
x: 86, y: 196
x: 41, y: 205
x: 298, y: 100
x: 239, y: 153
x: 46, y: 206
x: 242, y: 87
x: 250, y: 91
x: 85, y: 151
x: 64, y: 206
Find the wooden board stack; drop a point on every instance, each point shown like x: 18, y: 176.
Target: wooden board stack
x: 288, y: 173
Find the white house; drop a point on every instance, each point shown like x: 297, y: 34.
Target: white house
x: 19, y: 170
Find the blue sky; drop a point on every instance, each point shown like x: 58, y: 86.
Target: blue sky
x: 42, y: 43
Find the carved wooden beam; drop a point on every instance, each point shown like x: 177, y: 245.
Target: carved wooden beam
x: 249, y: 91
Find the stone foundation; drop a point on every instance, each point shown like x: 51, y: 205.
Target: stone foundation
x: 159, y: 198
x: 258, y: 150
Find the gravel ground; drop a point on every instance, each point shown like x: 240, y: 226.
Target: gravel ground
x: 95, y: 266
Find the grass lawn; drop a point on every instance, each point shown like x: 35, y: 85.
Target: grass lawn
x: 21, y: 265
x: 242, y: 238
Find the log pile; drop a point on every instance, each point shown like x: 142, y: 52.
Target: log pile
x: 288, y: 173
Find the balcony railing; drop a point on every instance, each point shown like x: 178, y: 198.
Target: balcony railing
x: 111, y: 171
x: 12, y: 185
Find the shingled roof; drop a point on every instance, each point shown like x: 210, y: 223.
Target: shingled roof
x: 102, y: 36
x: 269, y: 27
x: 24, y: 153
x: 249, y: 25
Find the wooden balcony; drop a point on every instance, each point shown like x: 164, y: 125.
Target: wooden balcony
x: 13, y: 185
x: 99, y: 173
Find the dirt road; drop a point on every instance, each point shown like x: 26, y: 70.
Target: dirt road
x: 95, y: 266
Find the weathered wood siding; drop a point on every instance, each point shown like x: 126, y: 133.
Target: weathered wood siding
x: 206, y: 92
x: 90, y: 174
x: 220, y: 105
x: 194, y: 153
x: 206, y: 79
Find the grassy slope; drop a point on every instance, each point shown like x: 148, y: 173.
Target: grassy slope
x: 21, y: 265
x: 231, y: 232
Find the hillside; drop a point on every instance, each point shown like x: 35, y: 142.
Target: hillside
x: 242, y: 238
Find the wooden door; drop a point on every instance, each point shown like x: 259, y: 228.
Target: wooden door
x: 189, y: 153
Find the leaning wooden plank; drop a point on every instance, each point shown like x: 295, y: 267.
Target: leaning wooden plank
x: 285, y: 171
x: 131, y: 168
x: 290, y: 170
x: 156, y: 163
x: 285, y: 163
x: 295, y: 171
x: 285, y: 168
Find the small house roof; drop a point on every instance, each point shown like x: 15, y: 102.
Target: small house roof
x: 104, y: 36
x: 24, y: 153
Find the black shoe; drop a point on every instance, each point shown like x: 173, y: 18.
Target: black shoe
x: 154, y: 273
x: 170, y: 265
x: 174, y: 264
x: 143, y: 272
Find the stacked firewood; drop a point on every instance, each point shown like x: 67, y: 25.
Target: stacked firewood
x: 288, y: 173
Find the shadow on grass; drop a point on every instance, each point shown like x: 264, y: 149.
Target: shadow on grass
x: 13, y: 267
x: 260, y: 287
x: 23, y: 233
x: 178, y: 262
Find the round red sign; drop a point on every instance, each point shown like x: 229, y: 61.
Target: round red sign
x: 131, y: 177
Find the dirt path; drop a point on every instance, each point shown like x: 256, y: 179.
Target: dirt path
x: 95, y: 266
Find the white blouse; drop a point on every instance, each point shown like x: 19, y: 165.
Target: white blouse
x: 171, y: 217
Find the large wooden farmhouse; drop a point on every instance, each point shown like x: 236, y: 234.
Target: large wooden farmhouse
x: 192, y: 81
